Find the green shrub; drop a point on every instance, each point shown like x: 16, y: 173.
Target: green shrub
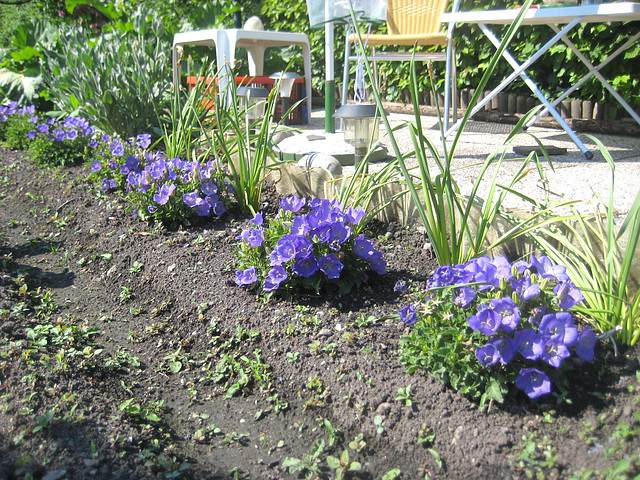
x: 314, y: 248
x: 105, y: 79
x: 170, y: 191
x: 600, y: 260
x: 19, y: 122
x: 487, y: 325
x: 60, y: 143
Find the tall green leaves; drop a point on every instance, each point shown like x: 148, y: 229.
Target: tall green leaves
x: 599, y: 258
x: 247, y: 147
x: 115, y: 81
x: 458, y: 226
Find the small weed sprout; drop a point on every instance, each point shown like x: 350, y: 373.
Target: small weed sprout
x: 342, y: 464
x: 378, y: 421
x: 404, y: 395
x: 44, y: 421
x: 308, y: 465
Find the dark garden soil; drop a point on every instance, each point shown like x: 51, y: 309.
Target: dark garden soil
x: 222, y: 385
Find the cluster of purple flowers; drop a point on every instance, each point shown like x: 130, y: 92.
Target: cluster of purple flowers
x: 7, y: 111
x: 20, y: 120
x: 69, y: 129
x: 50, y: 141
x: 522, y: 308
x: 317, y: 243
x: 154, y: 182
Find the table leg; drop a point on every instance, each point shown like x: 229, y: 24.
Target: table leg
x: 255, y: 55
x: 177, y: 63
x: 520, y: 70
x: 593, y: 71
x: 225, y: 58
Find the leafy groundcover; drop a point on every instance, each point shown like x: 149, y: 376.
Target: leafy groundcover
x: 128, y: 351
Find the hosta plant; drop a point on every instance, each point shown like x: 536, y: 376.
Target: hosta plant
x: 487, y: 325
x: 306, y: 246
x: 172, y: 191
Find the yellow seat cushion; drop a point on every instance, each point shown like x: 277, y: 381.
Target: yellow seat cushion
x: 421, y: 39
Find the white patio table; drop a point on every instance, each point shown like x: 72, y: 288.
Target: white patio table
x: 554, y: 17
x: 254, y: 41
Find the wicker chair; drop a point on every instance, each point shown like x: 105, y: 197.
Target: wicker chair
x: 409, y: 23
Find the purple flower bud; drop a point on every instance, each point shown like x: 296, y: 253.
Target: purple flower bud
x: 162, y: 197
x: 509, y: 312
x: 525, y: 289
x: 363, y: 247
x: 254, y: 237
x: 284, y: 251
x: 339, y: 233
x: 321, y: 234
x: 72, y: 134
x: 202, y: 207
x: 585, y: 345
x: 209, y: 188
x: 377, y: 263
x: 306, y: 267
x: 257, y: 220
x: 117, y: 149
x: 464, y: 296
x: 276, y: 276
x: 401, y: 286
x: 559, y: 326
x: 190, y: 199
x: 353, y: 215
x: 131, y: 162
x: 568, y: 294
x: 143, y: 140
x: 547, y: 269
x: 529, y: 343
x: 292, y: 203
x: 487, y: 355
x: 506, y: 348
x: 304, y: 246
x: 554, y: 351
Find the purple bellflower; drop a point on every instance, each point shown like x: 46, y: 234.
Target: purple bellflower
x: 533, y: 382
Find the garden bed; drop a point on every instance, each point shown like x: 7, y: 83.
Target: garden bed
x: 147, y: 361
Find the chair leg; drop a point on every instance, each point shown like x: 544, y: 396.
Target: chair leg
x: 454, y: 83
x: 450, y: 86
x: 345, y: 73
x: 375, y: 68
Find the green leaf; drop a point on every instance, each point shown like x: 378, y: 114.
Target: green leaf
x: 436, y: 456
x: 152, y: 416
x: 24, y: 54
x: 333, y: 462
x: 494, y: 390
x: 75, y: 103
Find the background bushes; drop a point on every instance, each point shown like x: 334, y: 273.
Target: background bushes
x: 557, y: 70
